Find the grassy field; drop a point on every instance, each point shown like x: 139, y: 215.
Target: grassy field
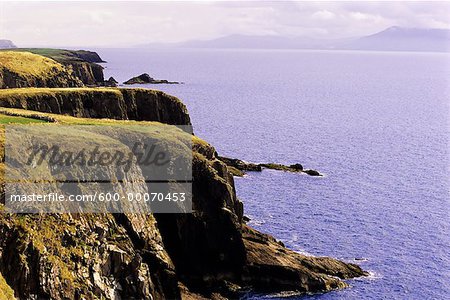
x: 7, y: 119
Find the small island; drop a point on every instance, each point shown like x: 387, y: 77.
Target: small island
x: 147, y: 79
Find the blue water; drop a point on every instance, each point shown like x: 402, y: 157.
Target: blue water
x: 377, y: 124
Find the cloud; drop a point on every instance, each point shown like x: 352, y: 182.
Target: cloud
x: 323, y: 15
x: 130, y: 23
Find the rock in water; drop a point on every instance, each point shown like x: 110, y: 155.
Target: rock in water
x: 240, y: 164
x: 312, y: 172
x: 297, y: 167
x: 111, y: 82
x: 146, y: 79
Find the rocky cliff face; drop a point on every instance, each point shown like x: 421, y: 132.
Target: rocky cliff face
x: 83, y: 64
x: 208, y: 253
x: 90, y: 74
x: 85, y: 55
x: 113, y: 103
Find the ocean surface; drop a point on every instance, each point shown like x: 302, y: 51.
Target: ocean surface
x: 375, y: 123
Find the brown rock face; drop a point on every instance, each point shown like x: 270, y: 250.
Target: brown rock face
x: 90, y: 74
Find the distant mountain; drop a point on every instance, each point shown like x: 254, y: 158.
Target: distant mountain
x: 260, y: 42
x: 253, y: 42
x: 403, y: 39
x: 6, y: 44
x: 392, y: 39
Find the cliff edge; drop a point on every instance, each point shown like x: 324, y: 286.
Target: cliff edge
x: 112, y: 103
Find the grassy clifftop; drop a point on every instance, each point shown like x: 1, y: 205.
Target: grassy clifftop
x: 28, y: 64
x: 25, y: 69
x: 64, y: 56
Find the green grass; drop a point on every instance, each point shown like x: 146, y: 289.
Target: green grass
x: 6, y: 119
x: 59, y: 55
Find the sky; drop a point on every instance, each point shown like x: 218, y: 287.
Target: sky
x: 121, y: 24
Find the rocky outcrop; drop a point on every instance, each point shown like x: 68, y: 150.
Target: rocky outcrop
x: 7, y: 44
x: 123, y: 104
x: 111, y: 82
x: 89, y: 56
x: 272, y: 267
x: 146, y: 79
x: 89, y: 73
x: 239, y: 167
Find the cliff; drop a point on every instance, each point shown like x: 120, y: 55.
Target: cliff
x: 113, y: 103
x: 208, y: 253
x: 81, y: 63
x: 24, y: 69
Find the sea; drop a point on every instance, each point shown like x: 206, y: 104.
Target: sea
x: 376, y: 124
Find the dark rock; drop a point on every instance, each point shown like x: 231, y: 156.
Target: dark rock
x: 146, y: 79
x: 297, y: 167
x: 235, y: 172
x: 240, y: 164
x: 272, y: 267
x: 238, y: 167
x: 312, y: 172
x: 89, y: 56
x: 111, y: 82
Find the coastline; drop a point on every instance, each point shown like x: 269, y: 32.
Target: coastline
x: 250, y: 256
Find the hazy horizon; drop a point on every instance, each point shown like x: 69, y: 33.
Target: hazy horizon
x: 118, y: 24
